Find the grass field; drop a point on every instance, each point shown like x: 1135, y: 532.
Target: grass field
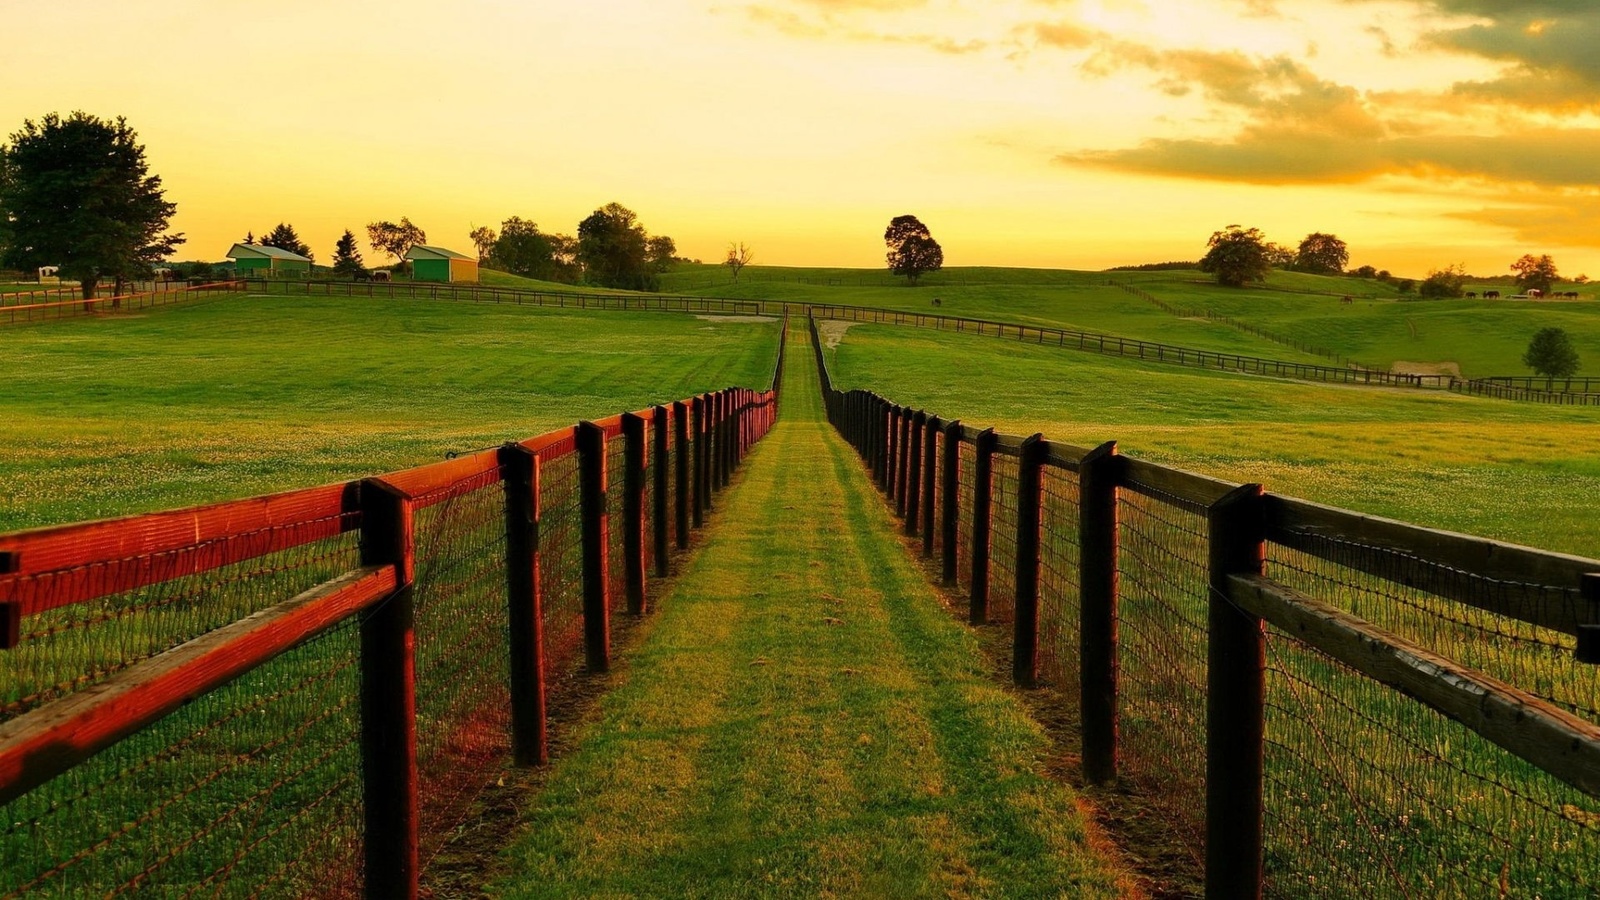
x: 1519, y: 472
x: 1479, y: 337
x: 235, y: 397
x: 805, y: 719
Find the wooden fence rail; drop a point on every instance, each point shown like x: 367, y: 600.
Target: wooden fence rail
x: 1538, y: 610
x: 404, y: 521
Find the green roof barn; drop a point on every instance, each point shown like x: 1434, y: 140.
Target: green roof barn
x: 439, y: 264
x: 254, y: 259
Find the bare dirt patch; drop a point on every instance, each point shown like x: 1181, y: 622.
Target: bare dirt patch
x: 736, y: 319
x: 833, y: 331
x: 1402, y: 367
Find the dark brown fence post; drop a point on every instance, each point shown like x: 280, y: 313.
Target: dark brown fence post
x: 1030, y: 501
x: 595, y: 539
x: 660, y: 534
x: 950, y: 512
x: 892, y: 433
x: 524, y: 614
x: 633, y: 461
x: 1097, y: 611
x: 884, y: 431
x: 389, y: 698
x: 730, y: 437
x: 702, y: 479
x: 916, y: 424
x: 982, y: 497
x: 680, y: 462
x: 1235, y: 702
x: 930, y: 472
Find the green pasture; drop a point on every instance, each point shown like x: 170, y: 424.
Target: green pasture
x: 1521, y: 472
x: 1380, y: 327
x: 239, y: 396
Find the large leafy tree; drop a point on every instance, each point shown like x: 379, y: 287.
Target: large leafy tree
x: 284, y: 238
x: 347, y: 257
x: 1551, y: 354
x: 522, y: 249
x: 1449, y: 281
x: 1322, y: 254
x: 1535, y: 273
x: 614, y: 249
x: 912, y: 250
x: 77, y: 193
x: 662, y: 251
x: 1237, y: 256
x: 394, y: 239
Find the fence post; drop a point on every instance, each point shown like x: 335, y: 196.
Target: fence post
x: 892, y: 434
x: 1235, y: 701
x: 595, y: 527
x: 389, y: 698
x: 1097, y: 611
x: 680, y: 461
x: 982, y: 495
x: 930, y: 477
x: 633, y: 456
x: 1030, y: 516
x: 950, y: 512
x: 730, y: 436
x: 916, y: 424
x: 702, y: 480
x: 902, y: 459
x: 524, y: 613
x: 659, y: 535
x: 882, y: 421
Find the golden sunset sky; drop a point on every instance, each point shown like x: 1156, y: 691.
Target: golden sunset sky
x: 1061, y: 133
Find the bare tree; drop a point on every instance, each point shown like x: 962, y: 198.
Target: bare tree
x: 483, y: 237
x: 739, y: 256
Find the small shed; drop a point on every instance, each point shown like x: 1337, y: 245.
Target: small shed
x: 254, y: 259
x: 439, y: 264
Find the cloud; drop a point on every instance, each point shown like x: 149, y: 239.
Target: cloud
x: 790, y: 23
x: 1550, y: 221
x: 1262, y: 155
x: 1551, y: 49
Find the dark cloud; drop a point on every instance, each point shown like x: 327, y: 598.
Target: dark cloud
x: 1551, y: 49
x: 1264, y: 155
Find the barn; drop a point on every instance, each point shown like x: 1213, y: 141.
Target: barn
x: 254, y: 259
x: 439, y: 264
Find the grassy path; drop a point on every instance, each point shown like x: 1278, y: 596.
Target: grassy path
x: 805, y: 719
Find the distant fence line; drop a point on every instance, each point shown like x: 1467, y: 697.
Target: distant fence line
x: 301, y: 694
x: 165, y: 294
x: 1316, y: 702
x: 1236, y: 324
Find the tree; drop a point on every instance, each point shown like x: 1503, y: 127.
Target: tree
x: 1324, y: 254
x: 1279, y: 256
x: 1405, y: 285
x: 739, y: 256
x: 78, y: 194
x: 284, y: 238
x: 394, y: 239
x: 614, y: 250
x: 1551, y: 354
x: 1365, y: 272
x: 661, y: 252
x: 912, y: 250
x: 347, y: 256
x: 522, y: 249
x: 1237, y: 256
x: 250, y: 238
x: 1445, y: 282
x: 483, y: 238
x: 1535, y: 273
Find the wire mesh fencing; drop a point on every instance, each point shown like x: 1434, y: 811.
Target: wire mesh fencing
x: 246, y: 669
x: 1304, y: 701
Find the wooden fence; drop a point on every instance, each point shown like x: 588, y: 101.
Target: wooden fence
x: 1315, y: 702
x: 47, y: 308
x: 302, y: 694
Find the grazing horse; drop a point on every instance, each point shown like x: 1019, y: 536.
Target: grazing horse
x: 937, y: 302
x: 1345, y: 300
x: 1491, y: 295
x: 1472, y: 295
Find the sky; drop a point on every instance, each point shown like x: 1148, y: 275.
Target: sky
x: 1053, y: 133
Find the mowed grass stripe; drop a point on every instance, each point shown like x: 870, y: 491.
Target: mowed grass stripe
x: 805, y: 719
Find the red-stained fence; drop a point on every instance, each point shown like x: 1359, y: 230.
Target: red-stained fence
x: 304, y: 693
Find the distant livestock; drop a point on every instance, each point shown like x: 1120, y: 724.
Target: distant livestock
x: 1472, y: 295
x: 1345, y: 300
x: 937, y: 302
x: 1491, y: 295
x: 1570, y: 295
